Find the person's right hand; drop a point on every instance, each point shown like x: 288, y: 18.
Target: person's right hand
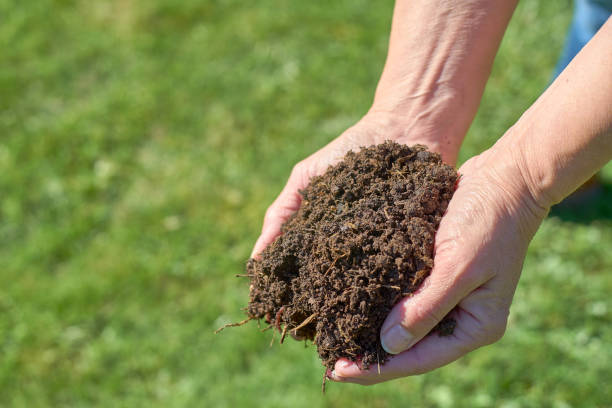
x: 479, y: 251
x: 373, y: 128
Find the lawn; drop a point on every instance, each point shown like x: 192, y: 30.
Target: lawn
x: 140, y: 143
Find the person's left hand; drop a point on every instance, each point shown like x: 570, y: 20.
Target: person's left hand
x: 479, y: 251
x: 374, y: 128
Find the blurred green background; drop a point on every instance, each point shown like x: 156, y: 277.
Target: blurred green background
x: 140, y: 143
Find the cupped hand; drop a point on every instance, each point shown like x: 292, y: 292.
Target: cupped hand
x: 479, y: 252
x: 374, y: 128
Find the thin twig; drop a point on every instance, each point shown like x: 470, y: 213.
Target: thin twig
x: 346, y: 336
x: 278, y: 317
x: 233, y: 324
x: 386, y: 213
x: 273, y: 336
x: 324, y: 380
x: 336, y: 259
x: 329, y: 348
x: 304, y: 323
x: 284, y: 333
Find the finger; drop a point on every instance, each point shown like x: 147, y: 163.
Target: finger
x: 282, y: 208
x: 415, y: 316
x: 430, y: 353
x: 352, y: 380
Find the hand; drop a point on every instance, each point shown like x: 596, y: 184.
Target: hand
x: 479, y: 252
x: 374, y: 128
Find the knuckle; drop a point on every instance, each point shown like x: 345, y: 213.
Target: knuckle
x: 271, y: 213
x: 446, y: 247
x: 427, y: 316
x: 297, y: 169
x: 456, y: 275
x: 301, y: 173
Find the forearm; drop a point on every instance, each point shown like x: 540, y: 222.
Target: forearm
x: 440, y: 56
x: 566, y: 136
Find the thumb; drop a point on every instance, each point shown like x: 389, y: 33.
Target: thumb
x: 416, y: 315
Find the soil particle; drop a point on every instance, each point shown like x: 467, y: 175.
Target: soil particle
x: 362, y: 239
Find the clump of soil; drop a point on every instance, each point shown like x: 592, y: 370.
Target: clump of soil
x: 362, y: 239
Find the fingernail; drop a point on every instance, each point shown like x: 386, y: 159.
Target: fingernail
x: 396, y: 339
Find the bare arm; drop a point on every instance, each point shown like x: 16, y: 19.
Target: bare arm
x: 566, y: 136
x: 440, y: 57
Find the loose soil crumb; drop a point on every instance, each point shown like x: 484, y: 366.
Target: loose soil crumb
x: 362, y: 239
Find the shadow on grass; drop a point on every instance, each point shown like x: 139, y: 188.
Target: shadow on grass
x: 594, y: 206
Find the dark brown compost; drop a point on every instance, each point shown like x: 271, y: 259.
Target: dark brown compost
x: 362, y: 239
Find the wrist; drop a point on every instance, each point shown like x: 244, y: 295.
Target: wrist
x: 496, y: 185
x: 542, y: 164
x: 510, y: 169
x: 435, y: 118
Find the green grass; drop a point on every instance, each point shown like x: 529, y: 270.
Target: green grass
x: 140, y: 143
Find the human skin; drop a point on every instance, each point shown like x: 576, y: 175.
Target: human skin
x: 503, y: 194
x: 428, y: 93
x: 501, y: 199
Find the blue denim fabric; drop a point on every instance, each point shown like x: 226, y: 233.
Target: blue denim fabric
x: 589, y: 16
